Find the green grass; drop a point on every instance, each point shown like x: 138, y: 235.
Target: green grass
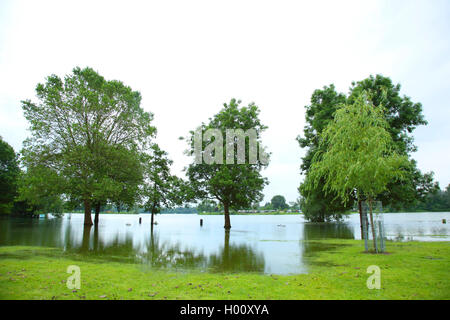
x: 412, y: 270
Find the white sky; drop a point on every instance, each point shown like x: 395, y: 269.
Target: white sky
x: 189, y: 57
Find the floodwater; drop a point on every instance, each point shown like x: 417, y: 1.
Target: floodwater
x: 272, y: 244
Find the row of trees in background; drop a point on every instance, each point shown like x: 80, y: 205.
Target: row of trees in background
x: 278, y: 203
x: 435, y: 200
x: 92, y: 144
x: 91, y: 147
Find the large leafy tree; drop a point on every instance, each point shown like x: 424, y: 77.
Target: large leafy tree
x: 360, y: 157
x: 402, y: 117
x: 89, y: 132
x: 9, y: 175
x: 318, y: 206
x: 278, y: 202
x: 236, y: 186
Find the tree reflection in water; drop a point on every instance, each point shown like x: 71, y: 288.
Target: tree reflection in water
x: 155, y: 254
x: 323, y: 230
x: 236, y: 258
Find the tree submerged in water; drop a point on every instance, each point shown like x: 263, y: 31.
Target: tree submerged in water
x: 236, y: 185
x: 87, y: 135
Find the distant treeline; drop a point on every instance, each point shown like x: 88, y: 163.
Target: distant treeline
x: 438, y: 200
x: 180, y: 210
x: 136, y: 210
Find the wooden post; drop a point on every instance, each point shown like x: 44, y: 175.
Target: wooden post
x: 201, y: 222
x: 140, y: 220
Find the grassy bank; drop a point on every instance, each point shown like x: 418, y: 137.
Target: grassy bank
x: 413, y: 270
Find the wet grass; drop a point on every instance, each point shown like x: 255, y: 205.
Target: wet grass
x: 411, y: 270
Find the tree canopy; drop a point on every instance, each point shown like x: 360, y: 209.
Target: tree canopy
x: 278, y: 203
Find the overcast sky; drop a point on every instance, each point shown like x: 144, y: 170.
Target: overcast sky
x: 189, y: 57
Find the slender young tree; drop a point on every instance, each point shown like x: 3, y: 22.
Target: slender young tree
x: 359, y: 154
x: 161, y: 188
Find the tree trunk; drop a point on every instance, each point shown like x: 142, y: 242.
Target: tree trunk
x: 87, y: 213
x: 227, y: 216
x: 151, y: 222
x: 360, y: 218
x: 86, y: 237
x: 97, y: 212
x: 373, y: 227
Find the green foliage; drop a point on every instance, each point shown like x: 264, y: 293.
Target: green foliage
x: 324, y: 103
x: 319, y: 206
x: 236, y: 186
x: 38, y: 192
x: 9, y: 174
x: 401, y: 114
x: 436, y: 200
x: 359, y: 152
x: 279, y: 203
x: 207, y: 205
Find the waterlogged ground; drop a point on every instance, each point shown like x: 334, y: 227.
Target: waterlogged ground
x: 281, y: 244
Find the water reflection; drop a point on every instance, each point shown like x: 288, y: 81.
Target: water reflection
x: 166, y: 255
x: 263, y: 244
x: 314, y: 231
x: 154, y: 253
x: 236, y: 258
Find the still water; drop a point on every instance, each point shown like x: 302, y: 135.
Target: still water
x: 273, y: 244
